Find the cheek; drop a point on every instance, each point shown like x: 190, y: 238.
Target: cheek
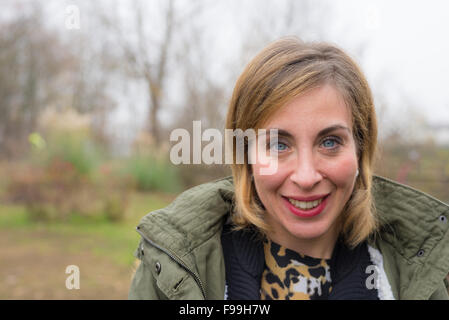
x: 342, y: 172
x: 266, y: 183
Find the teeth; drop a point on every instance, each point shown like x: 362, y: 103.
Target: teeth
x: 305, y: 205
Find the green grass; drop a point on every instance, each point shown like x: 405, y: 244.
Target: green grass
x: 114, y: 240
x: 13, y: 216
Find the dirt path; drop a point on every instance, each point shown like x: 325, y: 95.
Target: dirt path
x: 33, y: 265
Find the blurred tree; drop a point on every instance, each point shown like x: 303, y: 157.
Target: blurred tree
x: 40, y: 68
x: 32, y: 63
x: 90, y: 86
x: 146, y: 45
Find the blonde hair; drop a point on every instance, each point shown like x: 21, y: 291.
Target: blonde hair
x: 286, y: 69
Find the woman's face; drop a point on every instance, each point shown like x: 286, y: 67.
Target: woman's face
x: 316, y: 157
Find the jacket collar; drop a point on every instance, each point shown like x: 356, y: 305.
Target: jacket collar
x: 193, y: 217
x: 414, y: 224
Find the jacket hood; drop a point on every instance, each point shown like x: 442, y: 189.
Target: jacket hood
x: 413, y: 225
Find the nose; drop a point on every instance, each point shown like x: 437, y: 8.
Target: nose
x: 305, y: 173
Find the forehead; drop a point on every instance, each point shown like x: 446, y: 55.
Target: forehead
x: 318, y: 108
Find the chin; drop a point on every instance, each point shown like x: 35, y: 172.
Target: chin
x: 309, y: 231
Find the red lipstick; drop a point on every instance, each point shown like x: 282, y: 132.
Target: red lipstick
x: 306, y: 213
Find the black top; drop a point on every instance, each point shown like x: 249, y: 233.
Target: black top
x: 245, y: 263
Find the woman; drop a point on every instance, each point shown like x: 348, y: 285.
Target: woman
x: 319, y: 226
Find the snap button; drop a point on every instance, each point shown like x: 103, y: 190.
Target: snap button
x: 420, y: 253
x: 158, y: 267
x: 443, y: 219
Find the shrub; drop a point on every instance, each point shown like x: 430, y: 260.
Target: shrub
x: 65, y: 176
x: 152, y: 173
x: 57, y: 193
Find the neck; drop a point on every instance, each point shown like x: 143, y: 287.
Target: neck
x: 320, y: 247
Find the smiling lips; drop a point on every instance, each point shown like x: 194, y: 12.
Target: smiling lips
x: 306, y: 207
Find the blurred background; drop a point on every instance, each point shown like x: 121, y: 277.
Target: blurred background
x: 90, y: 91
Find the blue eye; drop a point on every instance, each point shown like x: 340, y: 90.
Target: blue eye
x: 279, y: 146
x: 330, y: 143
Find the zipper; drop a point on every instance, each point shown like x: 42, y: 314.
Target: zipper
x: 176, y: 259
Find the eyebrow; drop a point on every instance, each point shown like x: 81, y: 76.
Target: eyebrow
x: 333, y: 128
x: 323, y: 132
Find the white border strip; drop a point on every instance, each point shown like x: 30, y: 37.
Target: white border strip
x: 382, y: 284
x: 226, y: 292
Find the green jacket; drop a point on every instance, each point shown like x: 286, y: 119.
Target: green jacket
x: 181, y: 254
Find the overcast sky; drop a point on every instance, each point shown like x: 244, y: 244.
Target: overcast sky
x: 408, y: 42
x: 405, y: 46
x: 405, y: 42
